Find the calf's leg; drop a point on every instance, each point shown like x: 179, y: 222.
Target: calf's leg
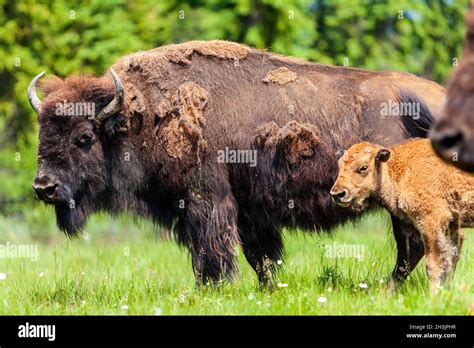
x: 456, y: 238
x: 441, y: 254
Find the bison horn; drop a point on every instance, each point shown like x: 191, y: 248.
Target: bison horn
x: 116, y: 104
x: 32, y: 97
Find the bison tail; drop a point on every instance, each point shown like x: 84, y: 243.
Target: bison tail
x: 417, y: 119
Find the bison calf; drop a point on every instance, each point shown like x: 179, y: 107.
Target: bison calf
x: 433, y: 199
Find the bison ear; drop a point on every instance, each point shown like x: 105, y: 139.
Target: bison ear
x: 340, y: 153
x: 383, y: 155
x: 114, y: 125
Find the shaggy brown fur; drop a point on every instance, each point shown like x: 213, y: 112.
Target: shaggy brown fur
x: 280, y: 76
x: 183, y: 134
x: 421, y: 191
x: 184, y: 103
x: 294, y: 142
x: 453, y: 136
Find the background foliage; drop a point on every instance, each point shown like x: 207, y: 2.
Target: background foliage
x: 76, y: 37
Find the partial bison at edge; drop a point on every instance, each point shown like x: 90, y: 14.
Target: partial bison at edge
x: 453, y: 135
x: 161, y: 118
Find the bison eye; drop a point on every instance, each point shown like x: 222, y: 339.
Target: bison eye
x: 363, y: 169
x: 84, y: 140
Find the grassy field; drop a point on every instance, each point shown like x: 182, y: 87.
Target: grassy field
x: 121, y: 267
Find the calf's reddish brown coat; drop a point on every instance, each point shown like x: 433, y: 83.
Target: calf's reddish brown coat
x: 418, y: 188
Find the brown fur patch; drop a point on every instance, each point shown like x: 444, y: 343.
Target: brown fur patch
x: 295, y: 141
x: 166, y: 106
x: 156, y: 61
x: 159, y: 71
x: 182, y: 53
x: 175, y: 140
x: 183, y: 134
x: 75, y: 89
x: 280, y: 76
x: 220, y: 49
x: 266, y: 135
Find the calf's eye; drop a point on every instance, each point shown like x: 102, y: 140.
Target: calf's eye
x: 363, y: 169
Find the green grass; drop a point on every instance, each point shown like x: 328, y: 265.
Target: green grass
x: 123, y: 268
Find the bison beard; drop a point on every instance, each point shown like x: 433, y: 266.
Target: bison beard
x: 70, y: 221
x: 157, y: 156
x: 72, y: 217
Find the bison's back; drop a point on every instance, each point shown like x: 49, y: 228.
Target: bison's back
x: 248, y: 88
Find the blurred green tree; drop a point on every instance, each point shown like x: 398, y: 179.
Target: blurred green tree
x: 75, y: 37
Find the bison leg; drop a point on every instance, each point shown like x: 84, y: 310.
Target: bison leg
x: 209, y: 229
x: 410, y: 250
x: 263, y: 247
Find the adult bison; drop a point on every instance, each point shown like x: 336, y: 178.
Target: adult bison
x: 172, y: 131
x: 453, y: 135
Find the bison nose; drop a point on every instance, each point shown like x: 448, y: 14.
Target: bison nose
x: 338, y: 196
x: 447, y: 140
x: 454, y: 145
x: 45, y: 187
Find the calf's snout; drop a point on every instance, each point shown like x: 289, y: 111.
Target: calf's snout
x: 338, y: 194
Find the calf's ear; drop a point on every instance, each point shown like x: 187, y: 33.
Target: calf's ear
x: 340, y: 153
x: 383, y: 155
